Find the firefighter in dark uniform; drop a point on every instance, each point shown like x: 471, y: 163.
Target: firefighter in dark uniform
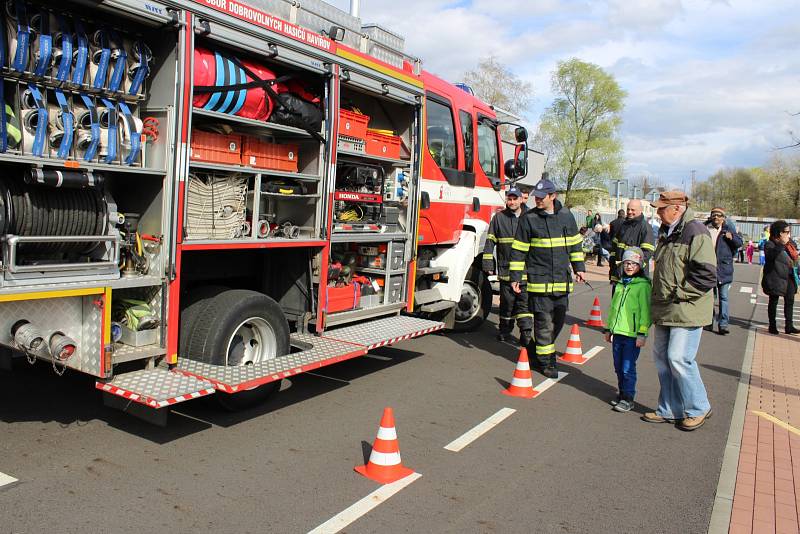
x: 633, y: 231
x: 547, y: 250
x: 501, y: 233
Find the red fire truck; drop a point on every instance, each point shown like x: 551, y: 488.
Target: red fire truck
x: 208, y: 196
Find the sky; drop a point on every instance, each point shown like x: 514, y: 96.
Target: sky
x: 711, y: 83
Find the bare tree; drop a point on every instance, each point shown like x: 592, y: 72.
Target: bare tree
x: 497, y: 85
x: 795, y: 140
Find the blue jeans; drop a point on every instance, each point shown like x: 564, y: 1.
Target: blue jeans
x: 682, y: 391
x: 721, y: 295
x: 625, y: 355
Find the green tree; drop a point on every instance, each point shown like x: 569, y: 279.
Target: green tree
x: 579, y: 131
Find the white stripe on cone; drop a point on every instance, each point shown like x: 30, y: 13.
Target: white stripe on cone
x: 522, y: 382
x: 523, y: 366
x: 387, y: 434
x: 573, y: 350
x: 384, y: 458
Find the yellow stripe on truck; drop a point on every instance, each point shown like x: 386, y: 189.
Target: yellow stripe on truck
x: 380, y: 68
x: 39, y: 295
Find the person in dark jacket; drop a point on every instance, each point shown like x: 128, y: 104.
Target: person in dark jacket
x: 499, y: 238
x: 616, y: 223
x: 726, y: 243
x: 778, y: 279
x: 634, y: 231
x: 546, y: 252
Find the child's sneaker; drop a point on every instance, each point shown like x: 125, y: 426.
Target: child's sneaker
x: 615, y: 401
x: 623, y: 405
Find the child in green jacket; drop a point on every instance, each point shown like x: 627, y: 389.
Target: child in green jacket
x: 628, y: 323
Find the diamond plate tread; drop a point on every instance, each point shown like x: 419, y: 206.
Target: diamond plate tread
x: 156, y: 388
x: 323, y: 351
x: 384, y: 331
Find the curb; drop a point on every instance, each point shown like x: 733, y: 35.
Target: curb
x: 723, y: 500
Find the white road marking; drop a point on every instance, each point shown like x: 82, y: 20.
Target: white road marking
x: 591, y: 353
x: 471, y: 435
x: 378, y: 357
x: 548, y: 383
x: 345, y: 517
x: 6, y: 479
x: 745, y: 289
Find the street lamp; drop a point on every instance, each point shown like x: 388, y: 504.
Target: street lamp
x: 746, y: 207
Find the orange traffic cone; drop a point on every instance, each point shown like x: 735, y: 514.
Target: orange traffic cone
x: 384, y: 464
x: 574, y: 352
x: 521, y: 383
x: 595, y: 317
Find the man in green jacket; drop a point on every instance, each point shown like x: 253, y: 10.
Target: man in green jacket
x: 681, y: 305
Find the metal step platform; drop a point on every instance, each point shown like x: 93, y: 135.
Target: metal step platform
x: 432, y: 270
x: 316, y: 352
x: 384, y: 331
x: 433, y: 307
x: 156, y: 388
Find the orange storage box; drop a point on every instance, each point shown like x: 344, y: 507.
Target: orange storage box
x: 343, y: 298
x: 216, y: 148
x: 385, y: 146
x: 353, y: 124
x: 266, y: 155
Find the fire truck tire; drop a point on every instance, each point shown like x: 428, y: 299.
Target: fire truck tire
x: 240, y: 327
x: 194, y: 304
x: 475, y: 303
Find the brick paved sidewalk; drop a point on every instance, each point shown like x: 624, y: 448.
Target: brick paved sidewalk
x: 767, y: 495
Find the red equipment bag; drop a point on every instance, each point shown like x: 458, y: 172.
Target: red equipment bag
x: 216, y: 70
x: 238, y: 89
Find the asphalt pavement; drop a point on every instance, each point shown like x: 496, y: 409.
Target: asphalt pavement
x: 562, y: 462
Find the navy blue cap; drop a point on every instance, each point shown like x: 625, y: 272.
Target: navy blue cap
x: 543, y: 188
x: 514, y: 191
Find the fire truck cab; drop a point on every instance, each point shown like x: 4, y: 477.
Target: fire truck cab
x: 463, y: 178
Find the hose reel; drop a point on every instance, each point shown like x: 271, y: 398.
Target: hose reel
x: 54, y: 204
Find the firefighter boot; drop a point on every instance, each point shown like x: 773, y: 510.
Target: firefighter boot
x: 524, y: 338
x: 551, y: 371
x: 505, y: 327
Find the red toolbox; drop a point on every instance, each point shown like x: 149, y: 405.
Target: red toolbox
x: 266, y: 155
x: 385, y: 146
x: 216, y: 148
x: 343, y: 298
x: 353, y: 124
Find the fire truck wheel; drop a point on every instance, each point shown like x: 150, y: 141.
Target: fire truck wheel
x: 194, y: 304
x: 239, y: 328
x: 475, y: 303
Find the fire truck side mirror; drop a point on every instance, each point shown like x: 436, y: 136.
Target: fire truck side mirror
x: 517, y: 168
x: 521, y: 134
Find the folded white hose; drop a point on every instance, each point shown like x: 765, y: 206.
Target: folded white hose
x: 216, y: 206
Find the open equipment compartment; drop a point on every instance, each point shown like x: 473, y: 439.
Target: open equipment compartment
x: 375, y: 192
x: 89, y: 106
x: 86, y: 146
x: 246, y: 145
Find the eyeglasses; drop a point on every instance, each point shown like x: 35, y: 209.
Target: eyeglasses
x: 719, y: 215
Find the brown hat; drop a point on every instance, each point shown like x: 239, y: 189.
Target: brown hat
x: 671, y: 198
x: 718, y: 210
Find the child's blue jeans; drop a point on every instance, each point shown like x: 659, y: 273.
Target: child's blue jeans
x: 625, y: 355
